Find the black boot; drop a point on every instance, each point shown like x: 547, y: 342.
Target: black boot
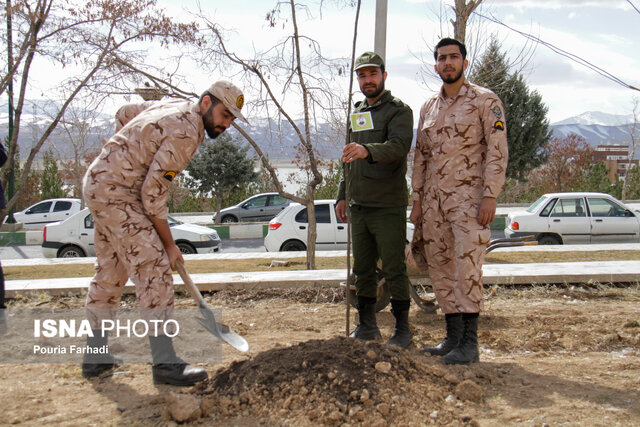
x: 96, y: 364
x: 169, y: 368
x: 467, y: 352
x: 367, y: 329
x: 455, y: 327
x: 3, y: 320
x: 402, y: 335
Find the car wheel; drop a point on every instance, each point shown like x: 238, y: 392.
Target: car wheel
x: 549, y: 240
x: 71, y: 252
x: 229, y: 218
x: 186, y: 248
x: 293, y: 245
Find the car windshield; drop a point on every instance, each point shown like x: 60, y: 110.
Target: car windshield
x: 172, y: 221
x: 534, y: 207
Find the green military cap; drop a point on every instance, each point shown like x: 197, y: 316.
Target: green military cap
x: 369, y: 59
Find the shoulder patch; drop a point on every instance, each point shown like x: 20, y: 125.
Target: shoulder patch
x: 498, y: 125
x: 497, y: 111
x: 169, y: 175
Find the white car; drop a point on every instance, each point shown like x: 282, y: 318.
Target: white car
x: 576, y: 218
x: 288, y: 230
x: 47, y: 211
x: 74, y: 237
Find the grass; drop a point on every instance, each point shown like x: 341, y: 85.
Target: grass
x: 222, y: 266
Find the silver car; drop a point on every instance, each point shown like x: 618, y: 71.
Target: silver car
x: 576, y: 218
x: 259, y: 208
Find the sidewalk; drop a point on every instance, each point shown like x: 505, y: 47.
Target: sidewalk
x: 506, y: 274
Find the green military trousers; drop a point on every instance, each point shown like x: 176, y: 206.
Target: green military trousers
x: 379, y: 233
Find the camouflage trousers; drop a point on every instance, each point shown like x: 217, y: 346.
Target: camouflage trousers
x: 128, y: 246
x: 455, y: 245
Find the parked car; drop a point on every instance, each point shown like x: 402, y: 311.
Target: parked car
x: 288, y: 230
x: 47, y: 211
x: 261, y: 207
x: 576, y: 218
x: 74, y: 237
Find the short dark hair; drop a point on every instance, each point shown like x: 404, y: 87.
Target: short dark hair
x: 214, y: 101
x: 448, y: 42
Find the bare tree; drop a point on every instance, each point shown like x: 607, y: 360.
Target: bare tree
x: 81, y: 129
x: 293, y: 68
x: 96, y: 41
x: 634, y: 139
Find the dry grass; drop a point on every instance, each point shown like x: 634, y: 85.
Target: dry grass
x: 222, y: 266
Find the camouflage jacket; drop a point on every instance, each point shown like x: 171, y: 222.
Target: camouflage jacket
x: 154, y: 142
x: 461, y: 144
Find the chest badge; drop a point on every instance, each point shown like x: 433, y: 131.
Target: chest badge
x: 361, y: 121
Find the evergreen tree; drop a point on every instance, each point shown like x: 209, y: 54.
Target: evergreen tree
x: 633, y: 183
x: 220, y: 166
x: 51, y: 184
x: 595, y: 178
x: 525, y: 113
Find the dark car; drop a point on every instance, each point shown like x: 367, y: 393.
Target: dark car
x: 259, y: 208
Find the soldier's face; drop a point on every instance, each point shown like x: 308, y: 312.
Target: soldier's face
x: 449, y: 64
x: 371, y: 81
x: 216, y: 120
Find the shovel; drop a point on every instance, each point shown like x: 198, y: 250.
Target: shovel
x: 219, y: 330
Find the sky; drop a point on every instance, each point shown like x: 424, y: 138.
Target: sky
x: 603, y: 32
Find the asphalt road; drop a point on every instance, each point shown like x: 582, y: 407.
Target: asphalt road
x: 229, y: 246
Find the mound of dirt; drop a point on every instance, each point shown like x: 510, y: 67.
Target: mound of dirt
x: 336, y: 381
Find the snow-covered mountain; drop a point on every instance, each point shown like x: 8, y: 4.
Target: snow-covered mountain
x: 280, y: 141
x: 596, y: 127
x: 597, y: 118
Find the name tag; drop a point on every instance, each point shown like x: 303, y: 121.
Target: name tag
x: 361, y: 121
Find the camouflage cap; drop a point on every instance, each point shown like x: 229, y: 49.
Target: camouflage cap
x: 231, y: 96
x: 369, y: 59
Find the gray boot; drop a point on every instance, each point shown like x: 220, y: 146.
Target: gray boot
x: 467, y: 351
x: 402, y: 335
x: 367, y: 330
x: 455, y: 328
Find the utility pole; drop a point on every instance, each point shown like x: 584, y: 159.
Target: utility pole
x: 10, y: 184
x: 380, y: 37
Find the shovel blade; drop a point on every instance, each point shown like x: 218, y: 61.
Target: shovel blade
x: 223, y: 332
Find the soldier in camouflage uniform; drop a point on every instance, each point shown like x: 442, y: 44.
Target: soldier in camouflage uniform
x: 126, y: 189
x: 459, y: 170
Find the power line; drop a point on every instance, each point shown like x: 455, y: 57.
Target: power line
x: 564, y: 53
x: 633, y: 6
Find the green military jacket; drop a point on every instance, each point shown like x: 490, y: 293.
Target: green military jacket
x: 379, y: 180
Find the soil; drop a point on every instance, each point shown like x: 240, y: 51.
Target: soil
x: 549, y: 356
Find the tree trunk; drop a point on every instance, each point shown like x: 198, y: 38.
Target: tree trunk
x: 463, y: 11
x: 218, y: 208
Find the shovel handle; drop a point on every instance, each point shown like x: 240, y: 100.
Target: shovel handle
x: 193, y: 289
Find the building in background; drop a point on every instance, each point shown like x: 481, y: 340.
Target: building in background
x: 616, y: 158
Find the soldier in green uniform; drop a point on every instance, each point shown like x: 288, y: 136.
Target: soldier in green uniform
x: 380, y: 131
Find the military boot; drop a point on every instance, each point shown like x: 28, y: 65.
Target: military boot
x: 97, y: 360
x: 367, y: 330
x: 467, y: 351
x: 3, y: 321
x: 169, y: 368
x: 402, y: 335
x: 455, y: 328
